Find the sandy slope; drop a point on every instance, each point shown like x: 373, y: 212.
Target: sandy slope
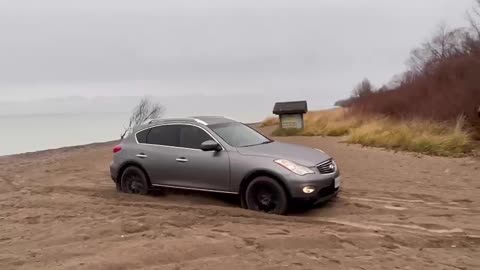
x: 60, y: 210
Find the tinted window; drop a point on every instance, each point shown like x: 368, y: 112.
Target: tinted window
x: 142, y: 136
x: 192, y: 137
x: 164, y: 135
x: 239, y: 135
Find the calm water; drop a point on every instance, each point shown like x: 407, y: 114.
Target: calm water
x: 21, y: 134
x: 28, y: 133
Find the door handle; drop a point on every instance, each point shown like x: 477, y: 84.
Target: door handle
x: 142, y: 155
x: 182, y: 159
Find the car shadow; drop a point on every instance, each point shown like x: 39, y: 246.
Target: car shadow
x: 299, y: 208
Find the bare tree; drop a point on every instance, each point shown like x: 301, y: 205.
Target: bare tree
x: 473, y: 17
x: 364, y: 88
x: 396, y: 81
x: 472, y: 37
x: 444, y: 44
x: 144, y: 111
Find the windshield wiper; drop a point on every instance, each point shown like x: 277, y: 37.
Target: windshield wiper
x: 265, y: 142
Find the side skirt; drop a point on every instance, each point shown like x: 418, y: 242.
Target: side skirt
x: 196, y: 189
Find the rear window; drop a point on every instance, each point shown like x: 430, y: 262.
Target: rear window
x: 185, y: 136
x: 164, y: 135
x: 142, y: 136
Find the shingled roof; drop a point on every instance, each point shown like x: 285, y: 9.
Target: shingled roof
x: 290, y: 107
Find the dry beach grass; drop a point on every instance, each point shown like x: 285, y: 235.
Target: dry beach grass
x: 415, y: 135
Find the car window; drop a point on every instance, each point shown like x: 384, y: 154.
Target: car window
x: 142, y: 136
x: 192, y: 137
x: 164, y: 135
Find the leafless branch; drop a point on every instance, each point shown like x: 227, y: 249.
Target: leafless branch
x: 473, y: 16
x: 144, y: 111
x: 444, y: 44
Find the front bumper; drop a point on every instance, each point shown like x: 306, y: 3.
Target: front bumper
x: 325, y: 194
x: 325, y: 186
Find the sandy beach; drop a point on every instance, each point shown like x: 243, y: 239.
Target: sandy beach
x: 59, y: 210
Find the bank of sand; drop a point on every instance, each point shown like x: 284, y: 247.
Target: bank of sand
x: 59, y: 210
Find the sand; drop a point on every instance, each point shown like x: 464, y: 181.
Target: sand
x: 60, y: 210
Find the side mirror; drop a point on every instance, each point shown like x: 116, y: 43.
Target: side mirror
x: 210, y: 145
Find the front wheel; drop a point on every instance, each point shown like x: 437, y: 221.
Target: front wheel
x: 265, y: 194
x: 134, y: 181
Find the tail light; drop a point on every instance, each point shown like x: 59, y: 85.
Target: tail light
x: 117, y: 149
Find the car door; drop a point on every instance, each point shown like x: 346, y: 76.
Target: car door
x: 199, y: 169
x: 157, y: 151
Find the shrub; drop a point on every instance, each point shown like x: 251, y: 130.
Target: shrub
x: 442, y: 81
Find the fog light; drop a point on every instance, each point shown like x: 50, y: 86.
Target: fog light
x: 308, y: 190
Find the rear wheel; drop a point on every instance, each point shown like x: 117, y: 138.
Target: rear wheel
x: 265, y: 194
x: 134, y: 181
x: 118, y: 185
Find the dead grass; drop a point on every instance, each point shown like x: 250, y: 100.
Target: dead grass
x: 270, y: 121
x: 335, y: 122
x: 421, y: 136
x: 414, y: 135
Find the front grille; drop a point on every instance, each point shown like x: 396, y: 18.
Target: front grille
x: 327, y: 167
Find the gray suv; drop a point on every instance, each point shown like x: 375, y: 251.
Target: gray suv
x: 216, y: 154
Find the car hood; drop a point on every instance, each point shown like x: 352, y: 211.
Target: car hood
x: 301, y: 155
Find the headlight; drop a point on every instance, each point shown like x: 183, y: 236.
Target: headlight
x: 293, y: 167
x: 333, y: 166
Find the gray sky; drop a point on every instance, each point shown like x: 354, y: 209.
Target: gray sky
x: 317, y: 49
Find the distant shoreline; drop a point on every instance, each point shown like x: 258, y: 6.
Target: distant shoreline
x: 73, y: 147
x: 60, y: 149
x: 55, y: 114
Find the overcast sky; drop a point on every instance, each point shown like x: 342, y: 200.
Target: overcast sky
x: 318, y: 48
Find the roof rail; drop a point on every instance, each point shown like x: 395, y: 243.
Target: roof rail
x: 200, y: 121
x: 150, y: 121
x: 229, y: 118
x: 213, y: 117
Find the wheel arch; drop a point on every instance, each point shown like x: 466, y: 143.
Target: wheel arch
x: 127, y: 164
x: 249, y: 177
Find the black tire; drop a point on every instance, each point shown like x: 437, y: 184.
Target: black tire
x: 265, y: 194
x: 134, y: 181
x: 118, y: 185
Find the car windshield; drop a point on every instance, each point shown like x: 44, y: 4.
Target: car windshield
x: 239, y: 135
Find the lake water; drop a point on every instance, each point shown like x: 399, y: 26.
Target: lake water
x: 27, y: 133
